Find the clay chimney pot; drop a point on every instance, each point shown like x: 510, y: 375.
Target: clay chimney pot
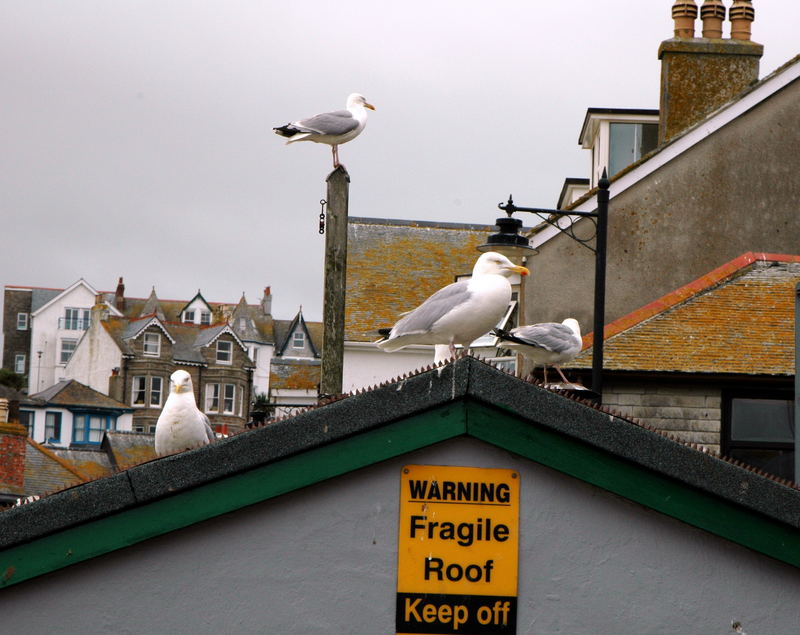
x: 684, y: 13
x: 712, y: 13
x: 741, y: 14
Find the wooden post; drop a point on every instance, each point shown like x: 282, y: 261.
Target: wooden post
x: 335, y: 282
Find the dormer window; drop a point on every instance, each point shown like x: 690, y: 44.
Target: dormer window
x: 628, y: 143
x: 224, y: 352
x: 188, y: 316
x: 205, y: 317
x: 298, y: 339
x: 152, y: 344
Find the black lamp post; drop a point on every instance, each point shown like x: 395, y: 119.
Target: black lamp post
x: 509, y: 242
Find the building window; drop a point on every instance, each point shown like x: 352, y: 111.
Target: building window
x: 188, y: 316
x: 152, y: 344
x: 52, y: 427
x: 89, y: 428
x: 205, y: 317
x: 758, y: 429
x: 26, y: 419
x: 19, y: 364
x: 156, y: 391
x: 629, y: 142
x: 298, y: 339
x: 228, y: 399
x: 139, y: 390
x: 224, y: 352
x: 75, y: 320
x: 22, y: 321
x: 67, y: 349
x: 254, y: 354
x: 212, y: 397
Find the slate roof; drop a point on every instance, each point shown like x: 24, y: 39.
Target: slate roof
x: 738, y: 319
x: 285, y: 328
x: 393, y: 265
x: 71, y: 393
x: 464, y: 398
x: 45, y: 471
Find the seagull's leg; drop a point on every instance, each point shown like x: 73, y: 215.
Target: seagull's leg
x: 335, y: 152
x: 544, y: 370
x: 452, y: 348
x: 566, y: 381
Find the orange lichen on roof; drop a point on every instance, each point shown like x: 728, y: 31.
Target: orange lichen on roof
x: 393, y: 267
x: 294, y: 376
x: 737, y: 319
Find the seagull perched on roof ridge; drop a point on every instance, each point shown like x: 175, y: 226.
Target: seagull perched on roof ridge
x: 460, y: 312
x: 333, y: 128
x: 181, y: 426
x: 545, y: 344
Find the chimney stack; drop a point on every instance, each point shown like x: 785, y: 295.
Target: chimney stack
x: 13, y: 440
x: 119, y: 296
x: 699, y: 75
x: 266, y: 301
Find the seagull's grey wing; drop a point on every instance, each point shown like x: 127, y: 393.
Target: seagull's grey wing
x: 334, y: 123
x: 550, y: 336
x: 421, y: 319
x: 209, y: 430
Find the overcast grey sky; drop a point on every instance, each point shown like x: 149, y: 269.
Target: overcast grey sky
x: 136, y: 136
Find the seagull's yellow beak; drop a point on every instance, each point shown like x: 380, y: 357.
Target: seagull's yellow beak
x: 370, y: 106
x: 523, y: 271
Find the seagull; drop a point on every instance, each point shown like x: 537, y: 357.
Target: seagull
x: 546, y: 344
x: 460, y: 312
x: 333, y: 128
x: 181, y: 426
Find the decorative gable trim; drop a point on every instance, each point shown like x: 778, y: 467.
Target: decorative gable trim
x: 80, y: 283
x: 152, y: 321
x: 298, y: 322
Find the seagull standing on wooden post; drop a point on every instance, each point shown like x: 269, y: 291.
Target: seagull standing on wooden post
x: 333, y: 128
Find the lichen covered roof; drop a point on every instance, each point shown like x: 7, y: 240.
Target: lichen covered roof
x: 393, y: 266
x: 294, y: 374
x: 128, y: 448
x: 737, y: 319
x: 47, y: 472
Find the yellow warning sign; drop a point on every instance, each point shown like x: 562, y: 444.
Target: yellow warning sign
x: 458, y: 550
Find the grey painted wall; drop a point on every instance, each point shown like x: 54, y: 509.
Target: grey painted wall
x: 323, y: 560
x: 736, y: 191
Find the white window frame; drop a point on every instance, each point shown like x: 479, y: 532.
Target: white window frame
x: 139, y: 387
x: 222, y: 354
x: 228, y: 397
x: 52, y: 421
x: 188, y: 316
x: 156, y: 392
x: 205, y: 317
x: 298, y: 339
x: 147, y: 342
x: 212, y: 398
x: 73, y: 343
x: 22, y: 321
x: 19, y: 363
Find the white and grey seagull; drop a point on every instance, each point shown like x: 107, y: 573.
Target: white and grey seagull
x: 333, y: 128
x: 181, y: 426
x: 460, y: 312
x: 545, y: 344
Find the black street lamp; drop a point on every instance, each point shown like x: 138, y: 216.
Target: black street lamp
x: 509, y: 242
